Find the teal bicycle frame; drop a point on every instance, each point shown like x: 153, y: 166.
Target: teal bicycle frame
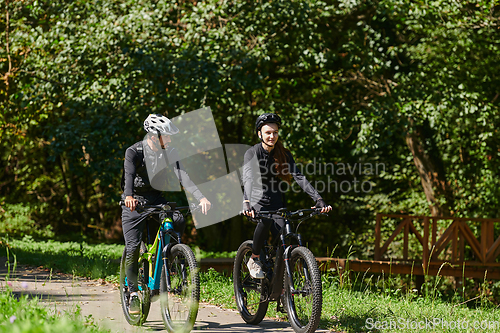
x: 161, y: 248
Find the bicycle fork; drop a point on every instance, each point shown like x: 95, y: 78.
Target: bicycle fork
x: 166, y: 249
x: 287, y: 256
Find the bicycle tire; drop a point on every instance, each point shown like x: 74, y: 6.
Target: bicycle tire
x: 247, y: 290
x: 144, y: 294
x: 303, y: 308
x: 179, y: 307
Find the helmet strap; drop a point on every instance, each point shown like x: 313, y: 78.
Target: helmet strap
x: 157, y: 143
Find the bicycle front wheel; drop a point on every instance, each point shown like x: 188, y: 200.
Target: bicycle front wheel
x: 144, y: 292
x: 179, y: 303
x: 251, y: 299
x: 303, y: 296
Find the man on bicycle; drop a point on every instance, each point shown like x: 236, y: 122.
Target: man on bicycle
x: 137, y: 187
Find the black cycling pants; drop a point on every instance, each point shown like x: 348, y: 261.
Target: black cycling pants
x: 133, y: 224
x: 273, y: 223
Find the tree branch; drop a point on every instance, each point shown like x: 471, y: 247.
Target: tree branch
x: 41, y: 78
x: 7, y: 26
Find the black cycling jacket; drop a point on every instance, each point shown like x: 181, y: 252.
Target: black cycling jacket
x: 135, y: 179
x: 270, y: 193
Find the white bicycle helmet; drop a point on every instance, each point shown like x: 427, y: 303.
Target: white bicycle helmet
x: 158, y: 124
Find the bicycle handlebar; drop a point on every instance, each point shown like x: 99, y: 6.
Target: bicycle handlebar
x: 167, y: 207
x: 285, y: 213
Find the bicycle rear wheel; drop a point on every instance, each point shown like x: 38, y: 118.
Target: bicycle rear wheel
x: 144, y: 291
x: 251, y: 301
x: 303, y: 299
x: 179, y: 305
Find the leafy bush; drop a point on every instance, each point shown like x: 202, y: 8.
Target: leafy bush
x: 17, y: 221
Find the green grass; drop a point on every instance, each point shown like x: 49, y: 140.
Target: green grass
x: 351, y: 310
x: 25, y: 315
x: 81, y: 259
x: 101, y: 261
x: 28, y: 315
x: 366, y: 303
x: 348, y: 310
x: 211, y: 254
x: 21, y: 314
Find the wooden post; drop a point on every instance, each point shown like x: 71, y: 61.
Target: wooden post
x: 425, y: 259
x: 343, y: 270
x: 490, y: 236
x: 405, y: 239
x: 434, y: 231
x: 377, y: 237
x: 484, y: 241
x: 454, y: 245
x: 462, y: 247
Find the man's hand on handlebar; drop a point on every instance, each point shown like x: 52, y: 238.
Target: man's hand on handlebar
x: 131, y: 203
x: 248, y: 210
x: 320, y: 203
x: 205, y: 205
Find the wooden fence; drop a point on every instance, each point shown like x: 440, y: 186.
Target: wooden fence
x: 454, y: 251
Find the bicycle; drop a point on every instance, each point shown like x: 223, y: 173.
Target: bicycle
x: 168, y: 269
x: 292, y: 276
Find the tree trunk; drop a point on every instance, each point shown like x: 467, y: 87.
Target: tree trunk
x: 430, y: 169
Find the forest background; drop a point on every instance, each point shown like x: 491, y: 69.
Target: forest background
x: 408, y: 89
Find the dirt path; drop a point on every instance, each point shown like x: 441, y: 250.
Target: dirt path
x: 100, y: 301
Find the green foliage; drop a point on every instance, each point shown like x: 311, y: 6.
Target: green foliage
x: 351, y: 79
x: 17, y: 221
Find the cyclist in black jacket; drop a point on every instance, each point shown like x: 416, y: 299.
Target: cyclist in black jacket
x: 276, y: 165
x: 137, y: 186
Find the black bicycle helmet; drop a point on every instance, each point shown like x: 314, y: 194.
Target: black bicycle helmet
x: 266, y: 118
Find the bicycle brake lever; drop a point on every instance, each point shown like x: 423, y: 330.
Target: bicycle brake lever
x: 193, y: 208
x: 139, y: 208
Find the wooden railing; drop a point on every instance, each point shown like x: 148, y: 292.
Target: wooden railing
x: 467, y: 256
x: 484, y: 250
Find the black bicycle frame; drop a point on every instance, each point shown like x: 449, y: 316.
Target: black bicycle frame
x: 283, y: 256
